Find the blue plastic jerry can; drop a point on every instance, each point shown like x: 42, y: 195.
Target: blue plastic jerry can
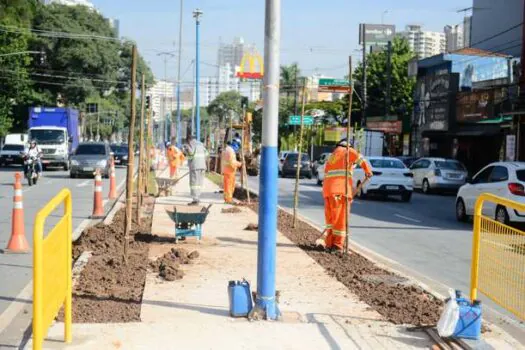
x: 240, y: 298
x: 469, y: 323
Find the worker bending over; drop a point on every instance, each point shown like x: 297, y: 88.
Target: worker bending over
x: 229, y: 165
x: 175, y: 159
x: 334, y: 193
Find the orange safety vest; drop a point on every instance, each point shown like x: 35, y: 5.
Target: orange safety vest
x: 175, y: 156
x: 229, y: 163
x: 335, y: 173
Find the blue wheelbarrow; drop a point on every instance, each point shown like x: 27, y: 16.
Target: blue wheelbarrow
x: 188, y: 221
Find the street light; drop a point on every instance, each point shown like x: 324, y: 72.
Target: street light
x: 178, y: 77
x: 197, y: 14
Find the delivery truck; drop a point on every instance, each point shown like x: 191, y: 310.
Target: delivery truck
x: 57, y: 133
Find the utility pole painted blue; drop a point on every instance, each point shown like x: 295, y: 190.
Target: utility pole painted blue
x: 265, y: 303
x: 179, y: 140
x: 197, y: 14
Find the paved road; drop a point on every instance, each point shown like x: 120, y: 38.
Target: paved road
x: 422, y: 235
x: 16, y: 270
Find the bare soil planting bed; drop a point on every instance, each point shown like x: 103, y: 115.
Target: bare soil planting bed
x: 390, y: 295
x: 108, y: 290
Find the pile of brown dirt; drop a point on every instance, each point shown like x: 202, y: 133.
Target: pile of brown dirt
x: 251, y: 227
x: 168, y: 265
x: 385, y: 292
x: 109, y: 290
x: 240, y: 194
x: 233, y: 210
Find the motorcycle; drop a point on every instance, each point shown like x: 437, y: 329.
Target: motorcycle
x: 30, y: 169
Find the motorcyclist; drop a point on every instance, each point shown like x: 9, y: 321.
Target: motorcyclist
x: 35, y: 152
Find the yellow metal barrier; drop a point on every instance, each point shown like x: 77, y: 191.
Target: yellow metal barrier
x: 498, y: 258
x: 52, y: 269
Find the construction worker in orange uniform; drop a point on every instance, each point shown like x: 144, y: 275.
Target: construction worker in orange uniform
x: 229, y: 165
x: 334, y: 193
x: 175, y: 159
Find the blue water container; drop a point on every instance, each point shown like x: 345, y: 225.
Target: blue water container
x: 469, y: 323
x: 240, y: 298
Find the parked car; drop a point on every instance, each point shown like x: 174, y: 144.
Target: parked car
x: 320, y: 174
x: 120, y: 154
x: 438, y: 174
x: 290, y: 165
x: 90, y: 156
x: 407, y: 160
x: 11, y: 154
x: 322, y: 159
x: 282, y: 157
x: 391, y: 177
x: 503, y: 179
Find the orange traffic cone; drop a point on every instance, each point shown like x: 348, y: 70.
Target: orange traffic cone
x: 98, y: 208
x: 18, y: 242
x: 112, y: 185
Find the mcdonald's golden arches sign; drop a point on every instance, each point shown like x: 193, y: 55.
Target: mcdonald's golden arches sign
x: 251, y: 58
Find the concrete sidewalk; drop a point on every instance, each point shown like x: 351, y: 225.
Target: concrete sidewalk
x: 192, y: 313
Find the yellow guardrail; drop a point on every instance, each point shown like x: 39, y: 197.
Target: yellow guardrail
x: 498, y: 258
x: 52, y: 269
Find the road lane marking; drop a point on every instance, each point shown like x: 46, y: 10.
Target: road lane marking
x: 407, y: 218
x: 84, y: 183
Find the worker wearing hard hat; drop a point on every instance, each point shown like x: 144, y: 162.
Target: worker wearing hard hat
x: 229, y: 165
x: 335, y: 191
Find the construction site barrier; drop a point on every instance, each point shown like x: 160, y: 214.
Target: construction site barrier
x: 52, y: 269
x: 498, y: 257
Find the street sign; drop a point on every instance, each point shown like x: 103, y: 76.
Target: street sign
x: 334, y: 85
x: 296, y: 120
x: 376, y: 34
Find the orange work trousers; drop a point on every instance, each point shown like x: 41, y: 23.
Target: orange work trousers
x: 335, y: 219
x: 229, y: 186
x: 173, y: 170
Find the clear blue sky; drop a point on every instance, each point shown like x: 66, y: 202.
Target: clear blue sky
x: 319, y: 36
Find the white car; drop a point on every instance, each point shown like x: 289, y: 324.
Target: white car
x: 503, y: 179
x: 438, y: 174
x: 320, y: 162
x: 391, y: 177
x: 319, y: 173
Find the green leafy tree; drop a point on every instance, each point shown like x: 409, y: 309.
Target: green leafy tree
x: 225, y: 106
x: 402, y: 86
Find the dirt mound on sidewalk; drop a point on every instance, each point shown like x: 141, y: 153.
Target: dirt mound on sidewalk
x: 233, y: 210
x: 399, y: 302
x: 168, y: 265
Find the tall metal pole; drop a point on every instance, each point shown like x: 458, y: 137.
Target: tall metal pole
x: 197, y: 14
x: 265, y: 302
x: 364, y: 102
x: 179, y: 141
x: 131, y: 154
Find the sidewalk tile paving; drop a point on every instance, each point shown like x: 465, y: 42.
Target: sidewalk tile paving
x: 192, y: 313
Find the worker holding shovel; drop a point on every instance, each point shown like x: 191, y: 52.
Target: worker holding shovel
x: 335, y: 192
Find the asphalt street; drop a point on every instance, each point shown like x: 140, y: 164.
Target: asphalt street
x: 422, y: 235
x: 16, y: 269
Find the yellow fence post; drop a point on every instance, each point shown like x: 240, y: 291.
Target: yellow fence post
x: 474, y: 273
x: 52, y: 284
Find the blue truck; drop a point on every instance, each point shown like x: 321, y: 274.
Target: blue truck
x: 57, y: 133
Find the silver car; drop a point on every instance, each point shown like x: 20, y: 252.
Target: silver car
x: 90, y: 156
x: 438, y: 174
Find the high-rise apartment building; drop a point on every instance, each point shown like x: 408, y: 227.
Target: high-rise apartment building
x: 454, y: 37
x: 232, y: 53
x: 467, y: 31
x: 424, y: 43
x: 162, y: 98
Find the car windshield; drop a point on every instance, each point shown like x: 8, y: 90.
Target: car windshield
x: 47, y: 136
x: 387, y: 163
x: 119, y: 149
x: 13, y: 148
x: 91, y: 149
x: 449, y: 165
x: 293, y: 157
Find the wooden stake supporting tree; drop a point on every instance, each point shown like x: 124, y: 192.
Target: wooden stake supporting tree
x: 131, y: 155
x: 347, y: 172
x: 298, y: 173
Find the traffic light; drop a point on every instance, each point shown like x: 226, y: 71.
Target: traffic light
x: 148, y: 102
x: 244, y: 101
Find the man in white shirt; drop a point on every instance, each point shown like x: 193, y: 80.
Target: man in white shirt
x: 35, y: 152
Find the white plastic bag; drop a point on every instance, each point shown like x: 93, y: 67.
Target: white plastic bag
x: 450, y: 316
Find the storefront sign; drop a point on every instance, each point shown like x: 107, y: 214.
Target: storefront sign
x: 477, y: 106
x: 388, y: 127
x: 510, y: 148
x: 433, y: 97
x: 334, y: 134
x: 376, y: 34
